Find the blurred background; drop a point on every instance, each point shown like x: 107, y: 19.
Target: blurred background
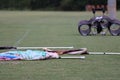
x: 54, y: 5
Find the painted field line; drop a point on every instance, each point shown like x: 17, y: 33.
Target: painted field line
x: 72, y: 57
x: 22, y: 38
x: 44, y: 47
x: 104, y: 52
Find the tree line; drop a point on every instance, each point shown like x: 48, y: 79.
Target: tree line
x: 62, y: 5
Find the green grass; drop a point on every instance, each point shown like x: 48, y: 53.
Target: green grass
x: 35, y: 28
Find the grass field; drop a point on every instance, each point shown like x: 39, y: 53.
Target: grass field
x: 35, y: 28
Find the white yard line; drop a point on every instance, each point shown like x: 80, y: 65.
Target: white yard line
x: 104, y: 52
x: 72, y: 57
x: 45, y: 47
x: 22, y: 38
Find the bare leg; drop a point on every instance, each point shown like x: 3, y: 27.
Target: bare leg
x: 77, y: 51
